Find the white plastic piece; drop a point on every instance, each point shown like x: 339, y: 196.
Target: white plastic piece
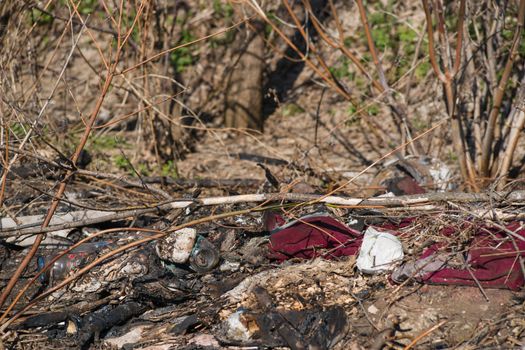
x: 177, y: 246
x: 379, y: 251
x: 236, y: 329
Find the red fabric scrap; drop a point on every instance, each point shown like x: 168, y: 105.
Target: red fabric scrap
x: 492, y: 259
x: 313, y: 236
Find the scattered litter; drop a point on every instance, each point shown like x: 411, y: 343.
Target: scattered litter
x: 184, y: 246
x: 492, y: 260
x: 314, y: 180
x: 379, y: 251
x: 237, y: 327
x: 204, y: 256
x: 177, y: 247
x: 303, y: 302
x: 75, y: 259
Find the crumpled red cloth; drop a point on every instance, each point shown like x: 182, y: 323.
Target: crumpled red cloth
x: 309, y: 237
x: 491, y: 259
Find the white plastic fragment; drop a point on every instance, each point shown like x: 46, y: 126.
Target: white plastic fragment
x: 235, y: 329
x: 379, y: 251
x: 177, y: 246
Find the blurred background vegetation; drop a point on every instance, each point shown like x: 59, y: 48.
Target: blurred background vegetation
x: 190, y: 69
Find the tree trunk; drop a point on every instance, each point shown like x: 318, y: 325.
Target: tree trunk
x: 244, y: 93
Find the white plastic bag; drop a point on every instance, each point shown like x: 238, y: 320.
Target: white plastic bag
x: 379, y: 251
